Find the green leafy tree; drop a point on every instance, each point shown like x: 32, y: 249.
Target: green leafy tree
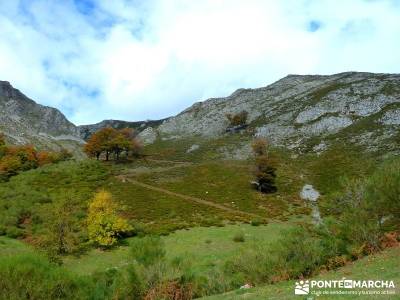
x: 62, y: 234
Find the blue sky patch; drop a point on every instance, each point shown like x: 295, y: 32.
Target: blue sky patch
x: 313, y: 26
x: 85, y: 7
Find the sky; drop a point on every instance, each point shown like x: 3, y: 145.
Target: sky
x: 150, y: 59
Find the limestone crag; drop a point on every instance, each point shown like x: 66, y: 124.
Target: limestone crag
x: 24, y: 121
x: 302, y: 108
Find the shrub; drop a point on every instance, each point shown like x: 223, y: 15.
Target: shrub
x: 260, y: 146
x: 256, y: 222
x: 239, y: 237
x: 299, y: 253
x: 148, y: 250
x: 14, y: 232
x: 237, y: 119
x: 265, y: 169
x: 367, y: 209
x: 2, y: 139
x: 104, y: 225
x: 255, y: 264
x: 30, y: 276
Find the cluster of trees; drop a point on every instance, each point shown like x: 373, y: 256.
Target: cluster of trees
x: 109, y: 141
x: 14, y: 159
x: 238, y: 119
x: 265, y: 170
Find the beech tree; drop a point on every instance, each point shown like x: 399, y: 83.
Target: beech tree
x: 112, y: 141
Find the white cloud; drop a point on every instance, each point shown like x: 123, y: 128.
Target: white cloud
x: 137, y: 60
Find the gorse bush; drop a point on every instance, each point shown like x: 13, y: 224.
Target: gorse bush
x: 148, y: 250
x: 367, y: 209
x: 32, y: 276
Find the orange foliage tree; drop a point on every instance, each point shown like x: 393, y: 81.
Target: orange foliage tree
x: 14, y: 159
x: 112, y: 141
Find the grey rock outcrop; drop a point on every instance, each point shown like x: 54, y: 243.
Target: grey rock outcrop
x: 24, y: 121
x: 148, y: 136
x: 86, y: 131
x: 302, y: 109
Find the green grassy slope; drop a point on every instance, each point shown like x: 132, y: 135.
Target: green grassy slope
x: 201, y: 175
x: 203, y: 248
x: 382, y: 266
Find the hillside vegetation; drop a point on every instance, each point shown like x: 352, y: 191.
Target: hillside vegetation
x: 184, y: 216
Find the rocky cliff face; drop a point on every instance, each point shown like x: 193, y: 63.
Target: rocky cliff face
x: 24, y: 121
x: 299, y: 111
x: 303, y: 113
x: 86, y: 131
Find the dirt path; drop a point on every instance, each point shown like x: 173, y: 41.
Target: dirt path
x: 188, y: 198
x: 169, y: 161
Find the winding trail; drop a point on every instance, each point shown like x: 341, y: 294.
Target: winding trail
x: 187, y: 198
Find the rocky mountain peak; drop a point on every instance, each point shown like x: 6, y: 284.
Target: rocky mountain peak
x: 24, y: 121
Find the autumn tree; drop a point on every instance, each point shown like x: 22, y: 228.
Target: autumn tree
x: 25, y: 157
x: 112, y: 141
x: 134, y: 147
x: 264, y: 170
x: 103, y: 223
x: 93, y: 147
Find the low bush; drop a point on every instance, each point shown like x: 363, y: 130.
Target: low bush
x: 31, y: 276
x: 238, y: 118
x: 239, y: 237
x: 148, y: 250
x: 256, y: 222
x: 37, y: 203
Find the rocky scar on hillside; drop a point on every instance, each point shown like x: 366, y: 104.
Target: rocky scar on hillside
x: 24, y: 121
x: 86, y: 131
x: 305, y: 113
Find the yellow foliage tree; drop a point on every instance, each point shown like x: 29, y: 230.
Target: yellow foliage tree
x: 104, y: 224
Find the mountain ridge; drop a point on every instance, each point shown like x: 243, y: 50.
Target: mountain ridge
x: 300, y: 112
